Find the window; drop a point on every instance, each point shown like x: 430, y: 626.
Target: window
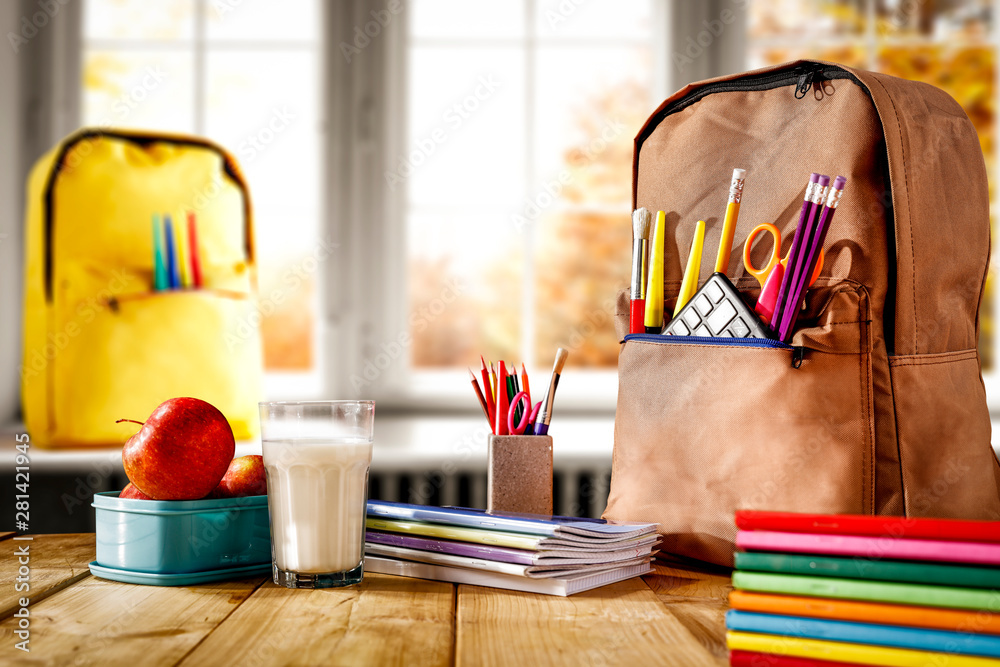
x: 247, y: 75
x: 517, y: 177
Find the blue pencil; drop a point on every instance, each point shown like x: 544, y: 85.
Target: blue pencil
x: 173, y: 271
x: 160, y: 280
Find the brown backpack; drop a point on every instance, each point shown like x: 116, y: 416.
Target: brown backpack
x: 880, y: 407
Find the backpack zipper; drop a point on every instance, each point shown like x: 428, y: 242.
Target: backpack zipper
x: 803, y: 85
x: 802, y: 76
x: 798, y: 351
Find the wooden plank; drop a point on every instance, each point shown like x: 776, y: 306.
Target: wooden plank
x: 99, y: 622
x: 697, y: 595
x: 55, y: 561
x: 385, y: 620
x: 620, y: 624
x: 689, y: 580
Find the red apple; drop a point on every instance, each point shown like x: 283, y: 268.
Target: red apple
x: 181, y: 452
x: 245, y: 477
x: 132, y: 491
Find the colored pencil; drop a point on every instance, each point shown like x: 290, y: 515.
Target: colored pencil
x: 479, y: 395
x: 160, y: 280
x: 813, y: 247
x: 798, y: 259
x: 493, y: 382
x: 183, y: 268
x: 503, y: 401
x: 491, y: 402
x: 729, y: 224
x: 524, y: 382
x: 173, y: 275
x: 196, y: 277
x: 797, y: 240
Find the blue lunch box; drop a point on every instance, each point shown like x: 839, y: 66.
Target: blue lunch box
x: 181, y: 536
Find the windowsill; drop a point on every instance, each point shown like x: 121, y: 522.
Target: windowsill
x: 403, y: 442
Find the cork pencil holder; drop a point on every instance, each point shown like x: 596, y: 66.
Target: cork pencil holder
x: 520, y: 474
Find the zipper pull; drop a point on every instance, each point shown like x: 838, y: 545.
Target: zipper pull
x: 804, y: 84
x: 798, y: 354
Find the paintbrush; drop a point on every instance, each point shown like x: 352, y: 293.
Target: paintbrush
x: 545, y: 416
x: 637, y: 293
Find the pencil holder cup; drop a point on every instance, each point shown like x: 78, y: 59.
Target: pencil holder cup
x: 520, y: 474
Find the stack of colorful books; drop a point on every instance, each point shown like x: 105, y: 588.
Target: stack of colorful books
x: 525, y: 552
x: 831, y: 590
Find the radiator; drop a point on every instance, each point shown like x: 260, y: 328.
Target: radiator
x: 579, y: 492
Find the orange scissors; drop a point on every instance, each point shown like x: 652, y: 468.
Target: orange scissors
x: 771, y: 275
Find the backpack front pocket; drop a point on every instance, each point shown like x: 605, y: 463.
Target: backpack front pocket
x: 123, y: 356
x: 705, y: 427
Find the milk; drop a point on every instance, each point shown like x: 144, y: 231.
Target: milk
x: 316, y: 493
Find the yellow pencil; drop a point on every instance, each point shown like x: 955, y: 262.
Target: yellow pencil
x: 693, y: 270
x: 729, y: 226
x: 654, y: 286
x: 180, y: 240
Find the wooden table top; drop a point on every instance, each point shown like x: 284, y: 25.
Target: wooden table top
x: 673, y: 616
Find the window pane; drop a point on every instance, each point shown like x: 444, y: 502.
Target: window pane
x: 466, y: 19
x: 265, y: 108
x: 595, y: 19
x: 806, y: 19
x: 138, y: 20
x: 465, y: 288
x: 139, y: 89
x: 263, y: 21
x: 464, y: 174
x: 466, y: 141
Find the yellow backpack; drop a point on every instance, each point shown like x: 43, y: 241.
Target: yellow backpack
x: 100, y: 344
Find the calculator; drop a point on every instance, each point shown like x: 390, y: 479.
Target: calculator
x: 717, y: 310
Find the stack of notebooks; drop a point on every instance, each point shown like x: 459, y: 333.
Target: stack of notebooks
x: 524, y: 552
x: 861, y: 590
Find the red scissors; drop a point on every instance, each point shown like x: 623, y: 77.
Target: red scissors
x: 770, y: 276
x: 526, y: 418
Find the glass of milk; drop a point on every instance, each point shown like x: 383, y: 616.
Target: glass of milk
x: 317, y: 455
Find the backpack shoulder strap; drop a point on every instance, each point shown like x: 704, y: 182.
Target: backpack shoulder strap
x: 939, y: 203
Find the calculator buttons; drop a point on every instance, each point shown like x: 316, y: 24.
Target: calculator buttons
x: 721, y: 317
x: 703, y: 305
x: 714, y: 292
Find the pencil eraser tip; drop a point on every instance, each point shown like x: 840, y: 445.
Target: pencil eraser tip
x: 839, y: 183
x: 824, y: 180
x: 739, y: 173
x: 813, y: 177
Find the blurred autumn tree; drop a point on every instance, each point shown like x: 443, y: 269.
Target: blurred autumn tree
x: 581, y: 255
x: 583, y: 249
